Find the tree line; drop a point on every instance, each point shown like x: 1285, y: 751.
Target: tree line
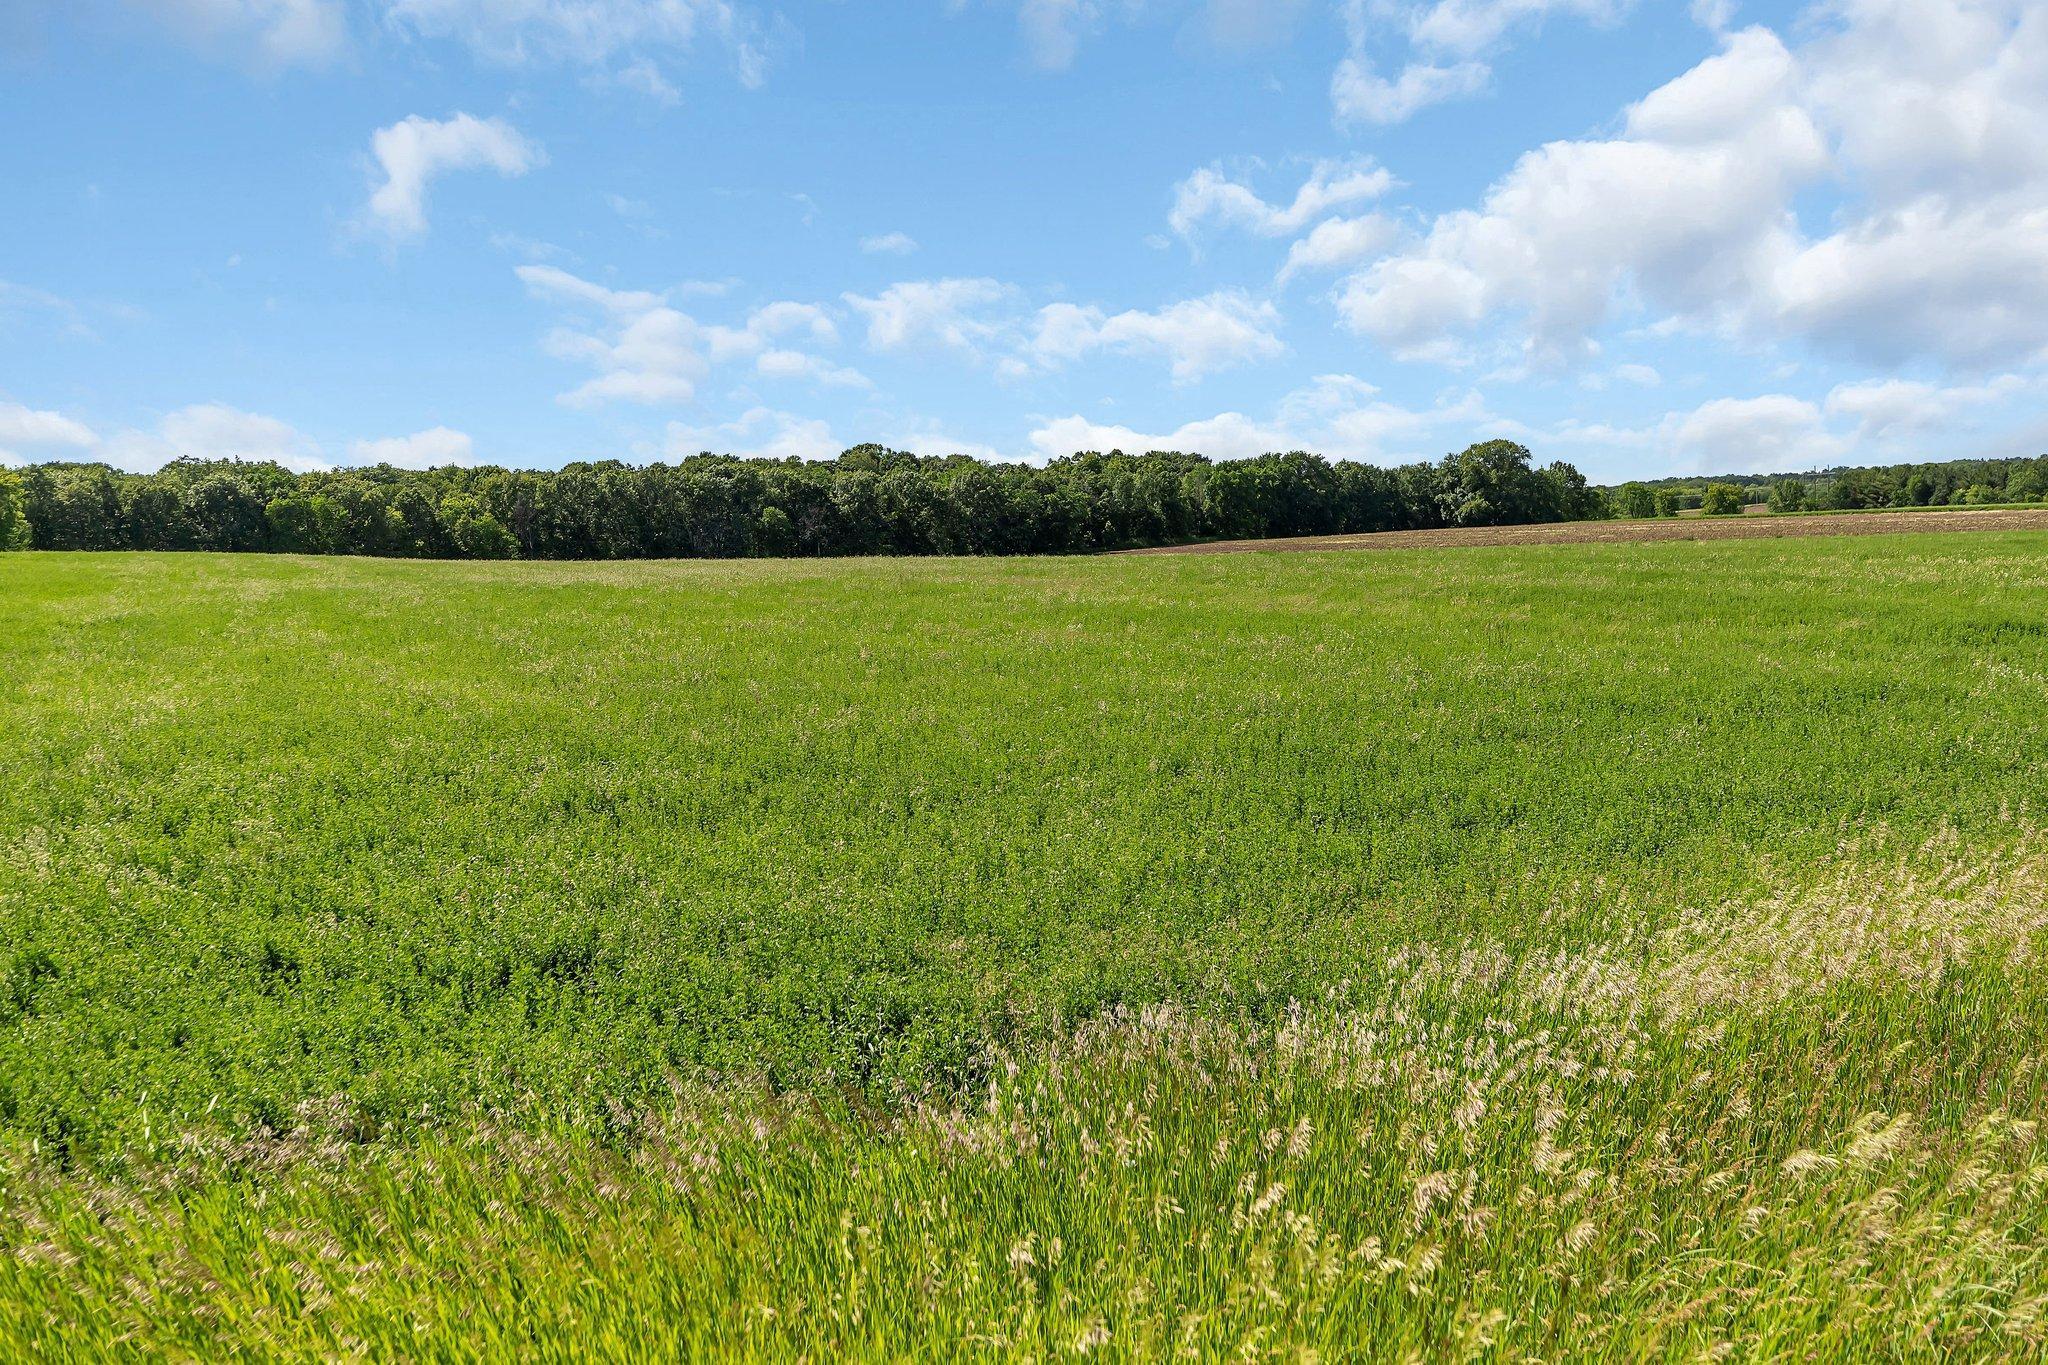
x: 876, y: 501
x: 868, y: 501
x: 1946, y: 483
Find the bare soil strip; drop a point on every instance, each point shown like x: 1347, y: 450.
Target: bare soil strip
x: 1682, y: 528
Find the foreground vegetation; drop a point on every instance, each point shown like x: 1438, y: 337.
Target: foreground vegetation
x: 1591, y: 950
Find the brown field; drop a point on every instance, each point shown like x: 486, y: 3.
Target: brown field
x: 1682, y: 528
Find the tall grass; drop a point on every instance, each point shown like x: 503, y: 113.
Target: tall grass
x: 1542, y: 954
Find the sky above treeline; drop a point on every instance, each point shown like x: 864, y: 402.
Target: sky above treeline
x: 1650, y: 238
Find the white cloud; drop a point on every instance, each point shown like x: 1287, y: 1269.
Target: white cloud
x: 1943, y: 97
x: 1689, y: 203
x: 215, y: 431
x: 1446, y: 40
x: 949, y: 312
x: 1338, y: 242
x: 810, y: 368
x: 1197, y: 336
x: 1226, y: 436
x: 1922, y: 110
x: 643, y: 77
x: 645, y: 350
x: 1211, y: 196
x: 26, y: 433
x: 549, y: 281
x: 931, y: 441
x: 429, y: 449
x: 625, y: 41
x: 1764, y: 435
x: 270, y: 34
x: 1887, y: 408
x: 1359, y: 94
x: 1966, y: 285
x: 1337, y: 415
x: 212, y: 431
x: 415, y: 150
x: 758, y: 431
x: 889, y: 244
x: 1875, y: 421
x: 981, y: 317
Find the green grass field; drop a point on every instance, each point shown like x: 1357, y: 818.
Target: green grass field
x: 1582, y: 951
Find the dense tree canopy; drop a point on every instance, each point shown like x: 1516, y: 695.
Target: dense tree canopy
x: 876, y: 501
x: 869, y: 501
x: 1721, y: 500
x: 1950, y: 483
x: 14, y: 532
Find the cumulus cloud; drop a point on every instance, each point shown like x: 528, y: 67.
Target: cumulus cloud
x: 212, y: 431
x: 1196, y: 336
x: 29, y: 434
x: 986, y: 320
x: 645, y: 350
x: 1753, y: 435
x: 758, y: 431
x: 889, y: 244
x: 1338, y: 415
x: 1922, y: 109
x: 413, y: 152
x: 1884, y: 409
x: 948, y: 312
x: 429, y: 449
x: 1965, y: 284
x: 269, y: 34
x: 1689, y: 204
x: 1210, y: 196
x: 1338, y: 242
x: 1872, y: 421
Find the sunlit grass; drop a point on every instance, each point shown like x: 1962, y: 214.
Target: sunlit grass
x: 1623, y: 951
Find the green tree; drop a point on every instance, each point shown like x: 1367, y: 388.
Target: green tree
x: 1572, y: 498
x: 225, y: 514
x: 153, y: 511
x: 1721, y: 500
x: 473, y: 531
x: 1636, y: 500
x: 14, y: 532
x: 1491, y: 484
x: 1788, y: 495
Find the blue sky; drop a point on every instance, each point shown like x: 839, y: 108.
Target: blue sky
x: 1647, y: 237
